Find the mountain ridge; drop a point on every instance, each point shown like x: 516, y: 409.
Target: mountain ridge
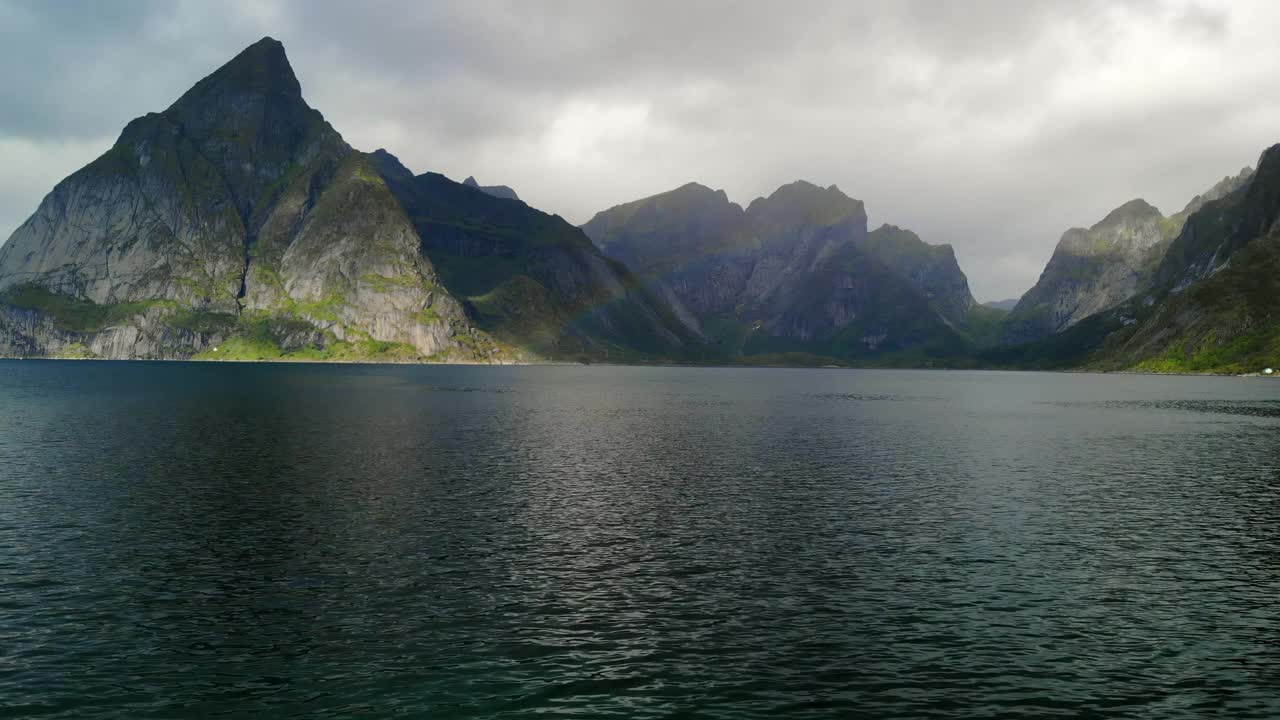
x: 795, y: 272
x: 238, y: 224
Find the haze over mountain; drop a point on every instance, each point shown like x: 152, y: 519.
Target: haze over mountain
x: 795, y: 272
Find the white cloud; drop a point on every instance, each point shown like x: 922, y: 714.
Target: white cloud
x: 586, y: 133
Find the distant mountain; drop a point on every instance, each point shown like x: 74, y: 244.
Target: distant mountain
x: 1090, y: 271
x: 238, y: 224
x: 1096, y: 269
x: 1211, y: 304
x: 795, y: 275
x: 499, y: 191
x: 1005, y: 305
x: 530, y: 279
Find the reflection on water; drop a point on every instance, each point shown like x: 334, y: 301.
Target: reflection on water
x: 184, y: 540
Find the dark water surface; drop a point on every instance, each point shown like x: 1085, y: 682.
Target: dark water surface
x: 195, y: 540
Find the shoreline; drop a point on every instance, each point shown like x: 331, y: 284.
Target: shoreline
x: 553, y: 363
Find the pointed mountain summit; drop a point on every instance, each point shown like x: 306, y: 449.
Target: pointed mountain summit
x: 238, y: 223
x: 249, y: 119
x: 500, y: 191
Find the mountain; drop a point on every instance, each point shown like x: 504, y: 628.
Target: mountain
x: 794, y: 276
x: 530, y: 279
x: 238, y: 224
x: 1098, y: 268
x: 1006, y: 305
x: 499, y: 191
x: 1090, y: 271
x: 1211, y: 304
x: 931, y: 269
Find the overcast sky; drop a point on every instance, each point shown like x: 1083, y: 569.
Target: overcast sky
x: 991, y: 126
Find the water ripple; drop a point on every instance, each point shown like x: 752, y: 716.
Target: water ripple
x: 310, y: 541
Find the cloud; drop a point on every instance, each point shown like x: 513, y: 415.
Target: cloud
x: 992, y: 126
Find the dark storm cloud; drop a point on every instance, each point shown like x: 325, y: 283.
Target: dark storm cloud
x: 992, y: 126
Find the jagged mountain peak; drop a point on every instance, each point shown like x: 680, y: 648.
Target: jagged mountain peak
x: 890, y: 230
x: 804, y: 202
x: 498, y: 191
x: 261, y: 69
x: 1227, y: 185
x: 696, y: 188
x: 908, y: 238
x: 804, y: 188
x: 694, y: 192
x: 238, y: 222
x: 1136, y: 209
x: 1221, y: 227
x: 1266, y: 180
x: 677, y: 205
x: 390, y: 165
x: 931, y: 269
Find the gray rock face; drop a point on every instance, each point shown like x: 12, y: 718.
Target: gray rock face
x: 1090, y: 271
x: 147, y: 335
x: 691, y: 242
x: 931, y: 269
x: 1224, y: 187
x: 1211, y: 303
x: 1097, y: 269
x: 533, y: 279
x: 237, y: 201
x: 1241, y: 209
x: 796, y: 271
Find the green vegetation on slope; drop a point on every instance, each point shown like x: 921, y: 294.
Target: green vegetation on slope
x: 73, y: 314
x: 984, y: 325
x: 1227, y: 323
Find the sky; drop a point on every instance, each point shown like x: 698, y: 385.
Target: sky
x: 992, y: 126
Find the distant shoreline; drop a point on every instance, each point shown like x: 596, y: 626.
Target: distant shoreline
x: 552, y: 363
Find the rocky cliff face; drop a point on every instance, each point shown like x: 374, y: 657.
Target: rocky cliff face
x: 795, y: 272
x: 1223, y: 221
x: 1099, y: 268
x: 532, y: 279
x: 931, y: 269
x: 690, y: 242
x: 1208, y: 302
x: 241, y: 204
x: 238, y: 224
x: 1214, y: 303
x: 1090, y: 271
